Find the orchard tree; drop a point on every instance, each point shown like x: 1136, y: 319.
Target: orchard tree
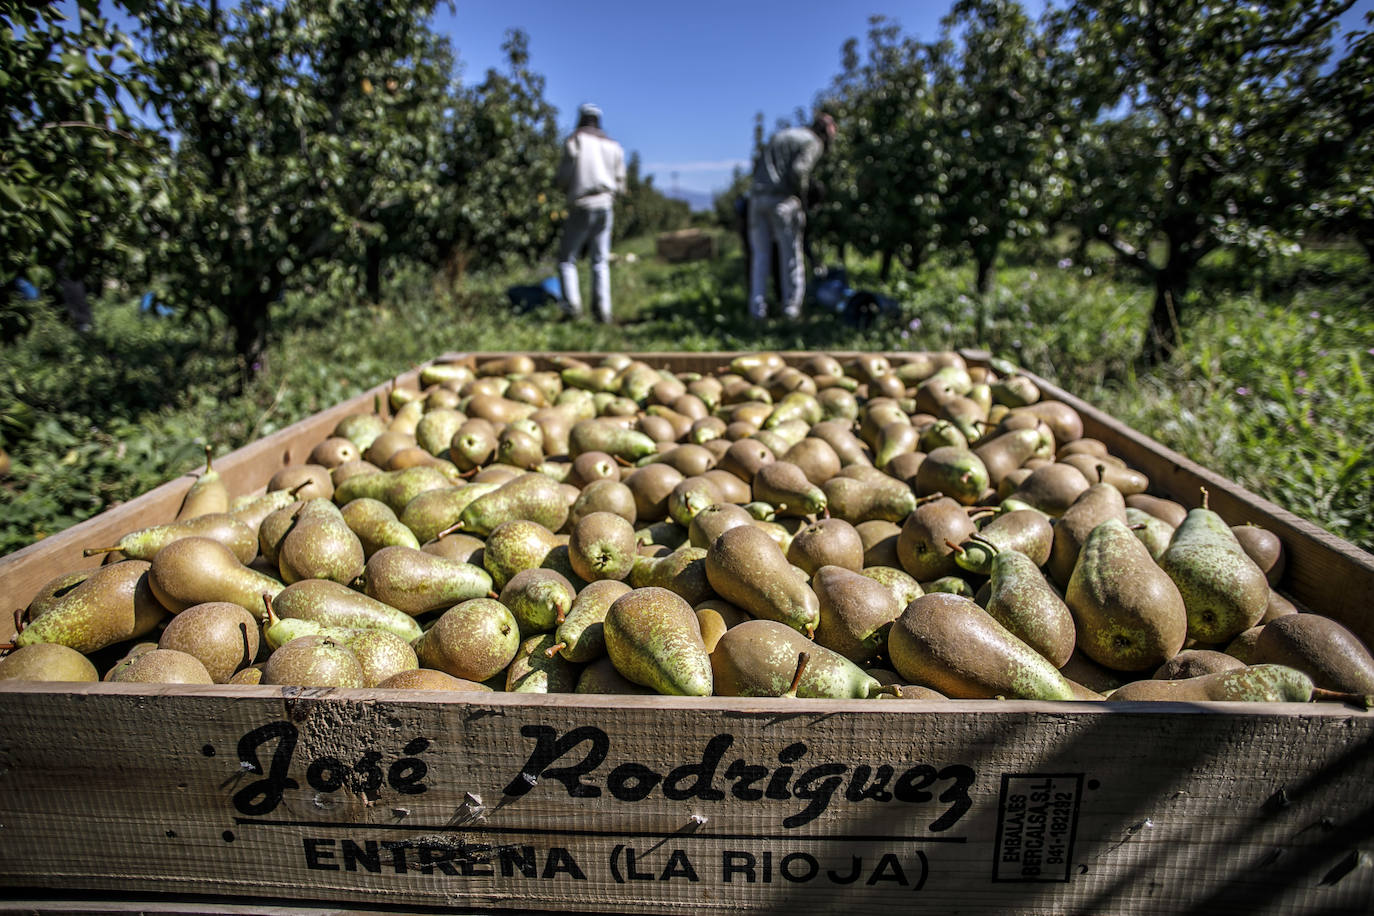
x: 999, y: 114
x: 304, y: 129
x: 643, y: 208
x: 1341, y: 161
x: 500, y: 155
x: 72, y: 162
x: 1210, y: 121
x: 887, y: 170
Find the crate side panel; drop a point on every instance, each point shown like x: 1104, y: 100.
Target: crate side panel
x: 675, y: 806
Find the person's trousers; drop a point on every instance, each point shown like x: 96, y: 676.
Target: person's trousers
x: 592, y: 229
x: 776, y: 224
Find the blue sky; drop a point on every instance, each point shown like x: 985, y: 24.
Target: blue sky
x: 681, y: 82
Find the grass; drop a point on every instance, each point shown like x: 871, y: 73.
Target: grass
x: 1271, y: 385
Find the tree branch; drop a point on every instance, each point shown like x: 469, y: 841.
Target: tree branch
x: 90, y: 125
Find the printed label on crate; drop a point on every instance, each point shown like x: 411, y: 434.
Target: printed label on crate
x: 778, y: 792
x: 1037, y: 815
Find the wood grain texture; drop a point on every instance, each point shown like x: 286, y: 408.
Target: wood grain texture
x: 670, y: 804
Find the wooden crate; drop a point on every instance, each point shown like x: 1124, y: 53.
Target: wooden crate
x: 117, y: 797
x: 685, y: 245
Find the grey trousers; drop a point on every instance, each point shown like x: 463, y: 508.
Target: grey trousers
x: 776, y: 223
x: 590, y: 228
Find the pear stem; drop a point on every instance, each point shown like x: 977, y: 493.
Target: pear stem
x: 802, y: 659
x: 954, y: 547
x: 93, y: 551
x: 7, y: 647
x: 981, y: 539
x: 891, y: 690
x: 493, y: 594
x: 929, y: 497
x: 208, y: 465
x: 19, y: 621
x: 1362, y: 700
x: 298, y: 487
x: 1204, y: 496
x: 554, y: 649
x: 272, y: 617
x: 451, y: 529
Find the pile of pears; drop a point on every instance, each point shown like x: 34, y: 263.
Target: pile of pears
x: 894, y: 527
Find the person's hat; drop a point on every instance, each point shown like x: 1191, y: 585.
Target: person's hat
x: 589, y: 114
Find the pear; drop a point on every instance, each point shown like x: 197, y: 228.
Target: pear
x: 1096, y: 504
x: 47, y: 661
x: 880, y: 496
x: 1154, y: 533
x: 839, y: 435
x: 252, y: 510
x: 1010, y: 450
x: 604, y: 495
x: 1080, y: 669
x: 744, y: 457
x: 1166, y: 510
x: 206, y: 494
x: 747, y: 568
x: 333, y: 451
x: 653, y: 639
x: 534, y: 670
x: 690, y: 496
x: 539, y: 599
x: 514, y: 546
x: 429, y: 679
x: 605, y: 436
x: 376, y: 525
x: 681, y: 571
x: 307, y: 481
x: 163, y: 666
x: 320, y: 545
x: 434, y: 512
x: 144, y: 543
x: 958, y: 473
x: 314, y: 661
x: 1254, y: 684
x: 879, y: 539
x: 581, y: 635
x: 855, y: 613
x: 360, y: 429
x: 759, y: 658
x: 1027, y: 531
x: 1224, y: 591
x: 817, y: 458
x: 949, y: 643
x: 1051, y: 488
x: 925, y: 546
x: 1330, y: 654
x: 1021, y: 600
x: 902, y: 586
x: 529, y: 496
x: 474, y: 640
x: 786, y: 487
x: 418, y: 582
x: 1129, y: 614
x: 826, y: 542
x: 436, y: 428
x: 1265, y: 548
x: 600, y: 677
x: 1110, y: 470
x: 1196, y: 663
x: 110, y: 605
x: 330, y: 604
x: 473, y: 445
x: 220, y: 634
x: 461, y: 547
x: 710, y: 522
x: 602, y: 546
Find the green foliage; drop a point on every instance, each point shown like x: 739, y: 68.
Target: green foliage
x: 643, y: 208
x: 501, y: 154
x: 71, y: 167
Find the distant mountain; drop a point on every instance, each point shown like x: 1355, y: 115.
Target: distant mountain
x: 698, y: 200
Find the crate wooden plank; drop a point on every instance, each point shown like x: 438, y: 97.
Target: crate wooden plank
x: 653, y: 805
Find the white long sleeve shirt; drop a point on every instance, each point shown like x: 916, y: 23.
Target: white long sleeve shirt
x: 592, y: 170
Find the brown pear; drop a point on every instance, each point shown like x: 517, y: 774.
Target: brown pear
x: 826, y: 542
x: 926, y: 545
x: 855, y: 613
x: 1095, y: 505
x: 1330, y: 654
x: 222, y: 635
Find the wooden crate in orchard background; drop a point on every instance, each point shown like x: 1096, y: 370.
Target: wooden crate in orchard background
x: 685, y: 245
x: 122, y: 797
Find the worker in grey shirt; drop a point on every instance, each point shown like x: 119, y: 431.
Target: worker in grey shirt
x: 592, y: 172
x: 777, y: 217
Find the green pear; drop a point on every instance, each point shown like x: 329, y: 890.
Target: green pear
x: 47, y: 661
x: 1023, y: 601
x: 747, y: 568
x: 314, y: 661
x: 474, y: 640
x: 539, y: 599
x: 144, y: 543
x: 1252, y: 684
x: 418, y: 582
x: 582, y: 634
x: 112, y: 604
x: 949, y: 643
x: 331, y: 604
x: 376, y: 525
x: 1224, y: 591
x: 320, y: 545
x: 435, y: 511
x: 529, y: 496
x: 534, y: 670
x: 163, y: 666
x: 206, y: 495
x: 681, y: 571
x: 759, y: 658
x: 221, y: 635
x: 1129, y: 614
x: 653, y: 639
x: 1092, y: 507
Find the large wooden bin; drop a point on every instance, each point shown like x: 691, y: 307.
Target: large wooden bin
x: 118, y: 798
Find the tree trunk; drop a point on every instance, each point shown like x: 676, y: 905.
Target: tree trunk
x: 983, y: 283
x: 885, y: 271
x: 250, y: 321
x: 72, y: 291
x: 1171, y: 282
x: 374, y: 273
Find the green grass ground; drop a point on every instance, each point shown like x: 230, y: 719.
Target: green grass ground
x: 1271, y: 386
